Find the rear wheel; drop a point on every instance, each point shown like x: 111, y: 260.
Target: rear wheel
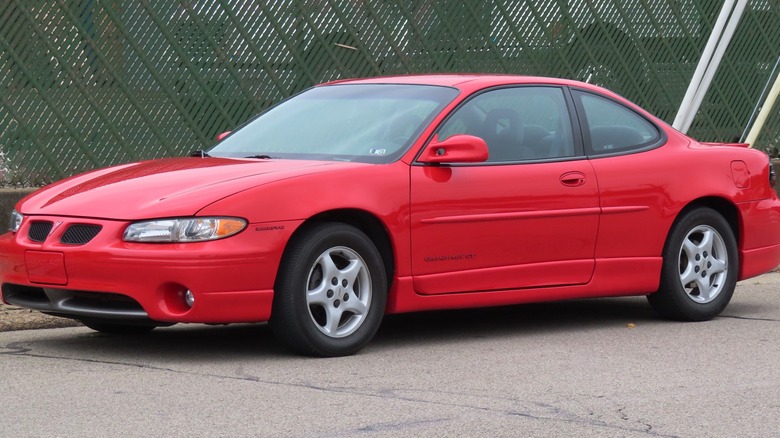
x: 331, y: 291
x: 700, y: 266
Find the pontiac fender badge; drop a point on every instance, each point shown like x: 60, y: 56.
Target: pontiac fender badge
x: 270, y: 228
x: 450, y: 258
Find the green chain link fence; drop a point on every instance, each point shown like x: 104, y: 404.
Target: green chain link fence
x: 88, y: 83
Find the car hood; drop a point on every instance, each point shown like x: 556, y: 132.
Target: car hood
x: 162, y: 188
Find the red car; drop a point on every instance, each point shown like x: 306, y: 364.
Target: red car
x: 364, y: 197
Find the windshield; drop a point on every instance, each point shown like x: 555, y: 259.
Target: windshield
x: 372, y: 123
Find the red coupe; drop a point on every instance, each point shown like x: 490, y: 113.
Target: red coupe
x: 364, y: 197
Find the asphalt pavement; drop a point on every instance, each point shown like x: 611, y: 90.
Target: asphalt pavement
x: 604, y: 367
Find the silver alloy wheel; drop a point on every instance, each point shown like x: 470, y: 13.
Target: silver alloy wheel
x: 703, y: 264
x: 338, y: 293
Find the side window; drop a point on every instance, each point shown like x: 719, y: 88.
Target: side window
x: 613, y: 127
x: 518, y: 124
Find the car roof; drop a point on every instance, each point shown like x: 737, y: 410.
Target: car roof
x: 464, y: 81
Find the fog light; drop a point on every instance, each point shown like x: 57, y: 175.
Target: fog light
x: 189, y: 298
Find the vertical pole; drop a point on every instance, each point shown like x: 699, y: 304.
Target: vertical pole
x: 761, y: 97
x: 713, y: 66
x: 764, y: 113
x: 701, y: 69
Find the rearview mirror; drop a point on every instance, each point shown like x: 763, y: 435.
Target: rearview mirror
x: 460, y: 148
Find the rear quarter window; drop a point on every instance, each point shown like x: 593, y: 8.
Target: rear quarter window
x: 611, y: 128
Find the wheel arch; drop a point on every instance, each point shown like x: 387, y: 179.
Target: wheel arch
x: 366, y: 222
x: 678, y: 294
x: 724, y: 207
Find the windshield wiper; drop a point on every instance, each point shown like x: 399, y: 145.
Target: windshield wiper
x: 260, y: 157
x: 199, y: 153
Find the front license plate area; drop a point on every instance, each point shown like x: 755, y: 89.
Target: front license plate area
x: 46, y: 267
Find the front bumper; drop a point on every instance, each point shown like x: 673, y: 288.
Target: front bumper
x: 106, y: 278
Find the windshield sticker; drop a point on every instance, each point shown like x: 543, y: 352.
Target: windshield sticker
x: 380, y: 152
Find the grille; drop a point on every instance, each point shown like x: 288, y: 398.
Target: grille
x: 80, y: 234
x: 39, y: 230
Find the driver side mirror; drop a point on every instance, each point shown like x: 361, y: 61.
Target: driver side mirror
x: 222, y: 135
x: 459, y: 148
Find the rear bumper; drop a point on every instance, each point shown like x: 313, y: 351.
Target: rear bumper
x: 231, y: 279
x: 759, y: 261
x: 759, y: 237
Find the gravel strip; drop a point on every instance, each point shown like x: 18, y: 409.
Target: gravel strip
x: 15, y: 318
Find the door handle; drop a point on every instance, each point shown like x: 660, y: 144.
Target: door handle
x: 573, y: 179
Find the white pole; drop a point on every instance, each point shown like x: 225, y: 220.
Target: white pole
x: 706, y: 57
x: 765, y: 110
x: 713, y: 67
x: 758, y: 106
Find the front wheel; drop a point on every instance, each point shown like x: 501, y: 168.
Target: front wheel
x: 330, y: 292
x: 700, y: 266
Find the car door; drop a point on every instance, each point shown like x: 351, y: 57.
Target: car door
x: 527, y: 217
x: 635, y: 176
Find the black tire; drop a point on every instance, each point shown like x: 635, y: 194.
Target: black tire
x: 116, y: 328
x: 317, y: 317
x: 711, y: 267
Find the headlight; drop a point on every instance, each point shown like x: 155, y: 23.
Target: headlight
x: 16, y: 221
x: 183, y: 229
